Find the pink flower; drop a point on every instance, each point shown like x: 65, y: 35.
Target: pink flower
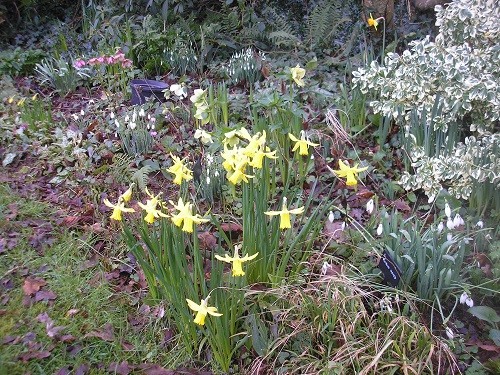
x: 80, y: 63
x: 101, y: 59
x: 92, y: 61
x: 119, y: 56
x: 110, y: 60
x: 126, y: 63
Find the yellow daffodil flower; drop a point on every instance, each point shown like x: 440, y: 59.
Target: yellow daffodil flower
x: 34, y: 97
x: 258, y: 157
x: 180, y: 171
x: 285, y: 214
x: 236, y: 261
x: 202, y: 310
x: 117, y: 209
x: 238, y: 174
x: 372, y: 22
x: 349, y: 173
x: 151, y: 212
x: 185, y: 216
x: 127, y: 196
x: 21, y: 101
x: 302, y: 144
x: 298, y: 74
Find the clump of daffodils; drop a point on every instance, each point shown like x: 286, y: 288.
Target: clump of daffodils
x: 180, y: 171
x: 238, y: 157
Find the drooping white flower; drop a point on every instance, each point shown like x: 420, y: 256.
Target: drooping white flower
x: 141, y: 112
x: 331, y: 217
x: 458, y: 221
x: 380, y: 229
x: 370, y: 205
x: 447, y: 210
x: 449, y: 333
x: 440, y: 227
x: 450, y: 224
x: 465, y: 299
x: 480, y: 224
x: 324, y: 269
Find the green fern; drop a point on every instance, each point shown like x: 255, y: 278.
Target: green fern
x: 323, y: 22
x: 141, y: 178
x: 122, y: 170
x: 283, y: 33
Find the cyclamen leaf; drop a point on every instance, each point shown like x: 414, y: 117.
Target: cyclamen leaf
x: 485, y: 313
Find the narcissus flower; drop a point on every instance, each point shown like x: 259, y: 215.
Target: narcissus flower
x: 302, y: 144
x: 117, y: 209
x: 349, y: 173
x: 152, y: 212
x: 236, y: 261
x: 185, y: 216
x: 180, y: 171
x: 372, y: 22
x: 202, y: 310
x: 298, y: 74
x: 128, y: 194
x: 285, y: 214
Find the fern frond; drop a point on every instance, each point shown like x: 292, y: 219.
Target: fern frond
x: 141, y: 178
x: 121, y: 170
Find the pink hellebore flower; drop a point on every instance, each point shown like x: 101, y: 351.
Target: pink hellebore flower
x: 80, y: 63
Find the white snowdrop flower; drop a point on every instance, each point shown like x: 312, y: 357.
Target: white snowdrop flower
x: 152, y: 126
x: 82, y: 112
x: 440, y: 227
x: 112, y: 115
x: 458, y: 221
x: 480, y: 224
x: 449, y: 333
x: 312, y: 156
x: 449, y: 237
x: 465, y: 299
x: 431, y: 199
x: 450, y: 224
x: 132, y: 125
x: 75, y: 116
x: 370, y: 205
x: 209, y: 159
x: 134, y: 116
x: 216, y: 173
x: 127, y: 118
x: 208, y: 180
x: 469, y: 302
x: 117, y: 123
x: 142, y: 113
x: 343, y: 226
x: 467, y: 240
x: 447, y: 210
x: 148, y: 126
x: 380, y: 229
x: 331, y: 217
x: 325, y: 268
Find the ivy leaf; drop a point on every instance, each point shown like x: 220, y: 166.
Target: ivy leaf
x: 485, y: 313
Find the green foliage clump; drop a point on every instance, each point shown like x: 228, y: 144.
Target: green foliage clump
x: 459, y: 73
x: 18, y: 62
